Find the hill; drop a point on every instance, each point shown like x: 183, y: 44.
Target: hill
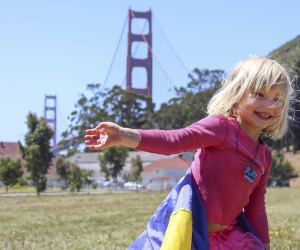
x: 288, y: 54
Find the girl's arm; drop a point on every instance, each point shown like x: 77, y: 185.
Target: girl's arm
x: 207, y: 132
x: 109, y: 134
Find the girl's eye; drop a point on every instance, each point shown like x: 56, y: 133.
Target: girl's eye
x: 259, y: 94
x: 277, y: 99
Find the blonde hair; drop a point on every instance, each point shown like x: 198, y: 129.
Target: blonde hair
x: 254, y: 73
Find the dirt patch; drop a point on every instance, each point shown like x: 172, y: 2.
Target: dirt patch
x: 295, y: 182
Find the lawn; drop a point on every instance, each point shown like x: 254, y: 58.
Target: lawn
x: 113, y: 220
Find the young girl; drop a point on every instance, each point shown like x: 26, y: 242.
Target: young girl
x: 231, y: 166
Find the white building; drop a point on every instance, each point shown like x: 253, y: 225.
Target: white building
x: 155, y: 166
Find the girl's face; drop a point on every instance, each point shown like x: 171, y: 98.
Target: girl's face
x: 258, y: 110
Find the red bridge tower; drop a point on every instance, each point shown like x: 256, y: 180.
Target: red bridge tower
x: 145, y: 63
x: 50, y: 114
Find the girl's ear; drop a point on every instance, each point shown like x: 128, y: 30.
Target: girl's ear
x: 233, y: 110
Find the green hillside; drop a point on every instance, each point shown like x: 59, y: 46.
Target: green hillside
x: 288, y: 54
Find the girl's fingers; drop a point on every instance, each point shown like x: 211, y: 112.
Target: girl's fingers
x: 93, y: 144
x: 102, y: 125
x: 89, y: 131
x: 88, y: 142
x: 96, y: 147
x: 92, y: 147
x: 90, y: 137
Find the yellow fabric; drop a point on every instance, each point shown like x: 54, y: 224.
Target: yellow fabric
x: 178, y: 235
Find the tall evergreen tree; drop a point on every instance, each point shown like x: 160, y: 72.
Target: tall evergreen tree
x: 36, y: 151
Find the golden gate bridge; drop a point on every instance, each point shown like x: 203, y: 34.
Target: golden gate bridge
x: 147, y: 62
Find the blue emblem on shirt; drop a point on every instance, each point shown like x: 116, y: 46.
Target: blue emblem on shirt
x: 250, y: 174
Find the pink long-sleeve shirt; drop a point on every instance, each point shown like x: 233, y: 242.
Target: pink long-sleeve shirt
x: 218, y: 167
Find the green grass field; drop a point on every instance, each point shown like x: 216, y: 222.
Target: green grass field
x: 113, y: 220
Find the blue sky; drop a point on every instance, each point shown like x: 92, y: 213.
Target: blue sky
x: 57, y: 47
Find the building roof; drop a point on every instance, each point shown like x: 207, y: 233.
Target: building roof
x: 177, y: 162
x: 10, y: 149
x: 162, y: 178
x: 84, y: 158
x: 93, y: 157
x: 90, y: 160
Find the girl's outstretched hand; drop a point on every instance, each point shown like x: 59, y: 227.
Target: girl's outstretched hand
x: 106, y: 134
x: 109, y: 134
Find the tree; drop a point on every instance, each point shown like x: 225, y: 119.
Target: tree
x: 87, y: 176
x: 71, y: 174
x: 190, y: 104
x: 10, y: 171
x: 75, y: 178
x: 88, y: 113
x: 280, y: 170
x: 112, y: 161
x: 63, y: 169
x: 128, y: 108
x: 116, y: 104
x: 36, y: 151
x: 135, y: 171
x: 136, y: 168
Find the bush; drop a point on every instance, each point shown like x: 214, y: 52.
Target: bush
x: 22, y: 181
x: 75, y: 186
x: 281, y: 170
x: 17, y: 186
x: 75, y: 178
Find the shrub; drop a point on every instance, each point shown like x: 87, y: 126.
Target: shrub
x: 22, y: 181
x: 281, y: 170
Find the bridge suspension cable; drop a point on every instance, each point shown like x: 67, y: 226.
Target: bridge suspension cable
x: 171, y: 46
x: 115, y: 53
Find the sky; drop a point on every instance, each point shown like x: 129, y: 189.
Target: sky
x: 57, y: 47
